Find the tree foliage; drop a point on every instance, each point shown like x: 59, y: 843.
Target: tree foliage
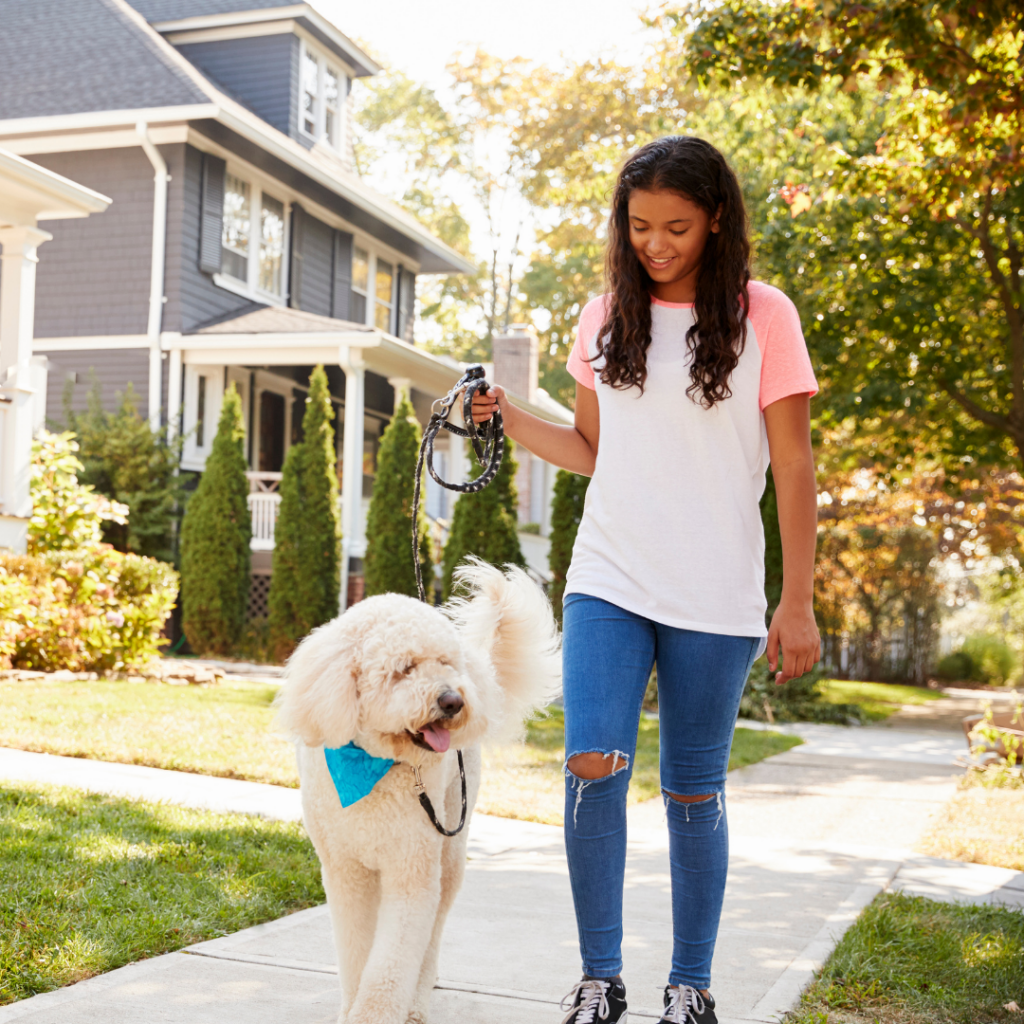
x: 566, y: 516
x: 388, y: 563
x: 485, y: 524
x: 129, y: 462
x: 215, y: 540
x: 306, y: 577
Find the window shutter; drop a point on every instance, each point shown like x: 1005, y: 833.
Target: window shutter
x: 298, y: 245
x: 211, y: 214
x: 342, y: 275
x: 406, y: 303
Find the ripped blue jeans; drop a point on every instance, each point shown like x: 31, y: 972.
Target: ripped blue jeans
x: 607, y: 658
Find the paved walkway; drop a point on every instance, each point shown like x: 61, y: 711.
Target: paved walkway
x: 816, y: 833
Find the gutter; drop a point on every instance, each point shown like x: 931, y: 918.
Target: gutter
x: 156, y: 277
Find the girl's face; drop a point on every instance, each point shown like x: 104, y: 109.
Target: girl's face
x: 668, y: 234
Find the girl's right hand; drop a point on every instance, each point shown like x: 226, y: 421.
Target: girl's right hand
x: 486, y: 402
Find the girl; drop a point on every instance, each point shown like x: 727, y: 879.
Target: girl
x: 689, y: 377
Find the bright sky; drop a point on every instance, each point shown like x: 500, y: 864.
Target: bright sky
x: 418, y: 37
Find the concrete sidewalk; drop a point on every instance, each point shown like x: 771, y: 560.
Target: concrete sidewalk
x: 816, y: 833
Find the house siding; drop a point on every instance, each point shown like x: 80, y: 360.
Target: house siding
x: 112, y: 369
x: 93, y: 277
x: 192, y: 297
x: 317, y: 266
x: 262, y: 73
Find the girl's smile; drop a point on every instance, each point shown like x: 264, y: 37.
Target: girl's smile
x: 668, y: 233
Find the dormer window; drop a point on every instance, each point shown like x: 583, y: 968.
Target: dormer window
x: 322, y: 99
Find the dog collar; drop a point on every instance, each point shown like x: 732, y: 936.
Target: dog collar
x: 354, y: 772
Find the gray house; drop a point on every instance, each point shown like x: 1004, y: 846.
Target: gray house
x: 240, y: 246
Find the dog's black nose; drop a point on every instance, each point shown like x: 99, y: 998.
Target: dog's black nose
x: 450, y: 703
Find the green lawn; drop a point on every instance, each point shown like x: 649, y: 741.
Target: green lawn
x: 878, y: 700
x: 909, y: 960
x: 227, y: 730
x: 92, y: 882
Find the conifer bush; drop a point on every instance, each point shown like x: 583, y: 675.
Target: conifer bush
x: 306, y: 578
x: 388, y: 565
x: 215, y: 536
x: 566, y: 515
x: 484, y: 524
x: 772, y: 547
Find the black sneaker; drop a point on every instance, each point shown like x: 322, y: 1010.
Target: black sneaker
x: 596, y: 1001
x: 685, y: 1005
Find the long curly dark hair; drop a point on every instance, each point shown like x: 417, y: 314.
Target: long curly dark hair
x: 695, y: 170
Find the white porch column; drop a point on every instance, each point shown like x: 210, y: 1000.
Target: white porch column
x: 400, y: 385
x: 353, y: 541
x: 17, y: 315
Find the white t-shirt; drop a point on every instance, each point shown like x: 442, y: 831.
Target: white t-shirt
x: 671, y: 526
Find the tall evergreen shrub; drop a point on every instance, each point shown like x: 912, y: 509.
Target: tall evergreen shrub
x: 215, y: 537
x: 566, y: 514
x: 484, y: 524
x: 306, y: 576
x: 388, y: 564
x: 772, y: 546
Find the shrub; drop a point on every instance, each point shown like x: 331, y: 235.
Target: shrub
x: 306, y: 577
x: 66, y: 514
x: 982, y: 658
x: 91, y: 610
x: 772, y: 546
x: 215, y: 537
x: 484, y: 524
x: 125, y: 459
x: 566, y: 515
x: 799, y: 700
x: 388, y: 564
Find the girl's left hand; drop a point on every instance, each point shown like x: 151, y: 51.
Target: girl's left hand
x: 794, y: 629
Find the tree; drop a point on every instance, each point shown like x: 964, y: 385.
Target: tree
x: 484, y: 524
x: 566, y: 516
x: 129, y: 462
x: 948, y: 310
x: 388, y: 563
x: 306, y: 569
x: 215, y: 540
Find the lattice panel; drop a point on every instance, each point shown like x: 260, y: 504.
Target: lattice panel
x: 259, y: 596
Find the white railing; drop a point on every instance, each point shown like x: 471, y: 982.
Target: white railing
x: 263, y: 508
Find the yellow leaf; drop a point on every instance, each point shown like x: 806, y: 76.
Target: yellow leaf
x: 801, y: 202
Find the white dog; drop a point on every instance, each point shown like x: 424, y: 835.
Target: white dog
x: 406, y: 682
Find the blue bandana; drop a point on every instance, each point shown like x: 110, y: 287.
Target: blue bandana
x: 354, y: 772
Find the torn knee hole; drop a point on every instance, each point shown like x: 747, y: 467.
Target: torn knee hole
x: 596, y: 764
x: 679, y: 798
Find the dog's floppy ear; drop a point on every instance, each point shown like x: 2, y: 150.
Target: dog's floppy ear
x: 318, y: 703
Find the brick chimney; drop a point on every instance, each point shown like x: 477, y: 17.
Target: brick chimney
x: 515, y: 361
x: 516, y: 370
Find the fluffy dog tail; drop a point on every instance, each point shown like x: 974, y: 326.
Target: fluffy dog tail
x: 507, y: 615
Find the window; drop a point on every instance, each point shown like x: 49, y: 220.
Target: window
x: 385, y: 278
x: 322, y: 98
x: 253, y: 239
x: 360, y: 284
x: 236, y: 232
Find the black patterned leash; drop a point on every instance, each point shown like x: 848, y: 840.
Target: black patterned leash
x: 489, y: 447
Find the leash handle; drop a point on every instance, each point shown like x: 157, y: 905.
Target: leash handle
x: 488, y: 445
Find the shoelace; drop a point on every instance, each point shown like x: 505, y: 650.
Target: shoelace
x: 593, y: 1000
x: 681, y: 1002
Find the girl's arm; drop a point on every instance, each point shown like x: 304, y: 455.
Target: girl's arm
x: 788, y: 422
x: 572, y: 448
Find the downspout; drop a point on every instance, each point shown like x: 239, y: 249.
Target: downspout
x: 156, y: 275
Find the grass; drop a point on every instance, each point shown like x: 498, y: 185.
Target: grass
x: 222, y: 730
x: 95, y: 882
x: 877, y: 700
x: 909, y: 960
x: 980, y: 825
x: 227, y: 730
x: 525, y: 780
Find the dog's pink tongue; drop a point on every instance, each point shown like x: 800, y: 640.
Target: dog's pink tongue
x: 437, y: 736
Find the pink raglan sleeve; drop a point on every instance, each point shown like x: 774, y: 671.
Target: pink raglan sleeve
x: 590, y: 323
x: 785, y: 363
